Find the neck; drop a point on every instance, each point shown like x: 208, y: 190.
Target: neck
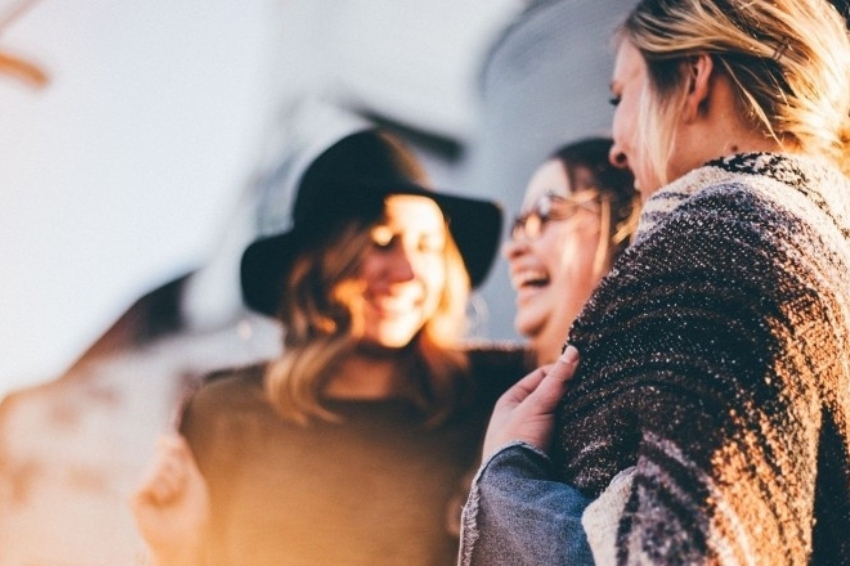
x: 717, y: 131
x: 751, y: 144
x: 367, y: 375
x: 745, y: 142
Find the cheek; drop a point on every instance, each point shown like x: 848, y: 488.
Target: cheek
x: 617, y: 126
x: 549, y: 249
x: 432, y: 273
x: 623, y: 127
x: 368, y: 268
x: 572, y: 260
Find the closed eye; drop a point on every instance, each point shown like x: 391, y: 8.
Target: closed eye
x: 382, y: 237
x: 432, y: 245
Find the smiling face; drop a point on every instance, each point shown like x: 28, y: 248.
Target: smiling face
x: 629, y: 84
x: 553, y: 273
x: 402, y: 276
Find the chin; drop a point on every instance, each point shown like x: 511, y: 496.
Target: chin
x: 528, y: 328
x: 392, y: 338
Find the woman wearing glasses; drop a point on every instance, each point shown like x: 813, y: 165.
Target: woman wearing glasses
x: 577, y: 217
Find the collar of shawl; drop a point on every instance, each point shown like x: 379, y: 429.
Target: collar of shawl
x: 805, y: 175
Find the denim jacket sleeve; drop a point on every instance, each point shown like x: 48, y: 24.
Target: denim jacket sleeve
x: 517, y: 514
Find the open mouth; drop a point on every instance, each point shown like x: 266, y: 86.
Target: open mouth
x: 530, y: 279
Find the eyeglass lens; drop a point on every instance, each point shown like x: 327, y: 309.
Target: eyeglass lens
x: 530, y: 225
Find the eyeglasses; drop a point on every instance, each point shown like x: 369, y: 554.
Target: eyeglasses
x: 550, y: 208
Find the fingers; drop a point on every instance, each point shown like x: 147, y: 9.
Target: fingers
x: 548, y: 393
x: 546, y: 382
x: 526, y: 411
x: 167, y: 475
x: 520, y: 390
x: 565, y: 366
x: 171, y: 506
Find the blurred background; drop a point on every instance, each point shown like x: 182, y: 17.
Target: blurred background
x: 144, y: 144
x: 124, y: 170
x: 119, y: 172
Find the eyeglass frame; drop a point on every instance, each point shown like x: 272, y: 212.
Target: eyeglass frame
x: 543, y: 212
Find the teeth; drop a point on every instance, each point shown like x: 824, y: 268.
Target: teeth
x: 394, y: 303
x: 530, y: 278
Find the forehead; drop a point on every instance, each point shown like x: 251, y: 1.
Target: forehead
x: 549, y: 178
x: 629, y: 65
x: 412, y: 212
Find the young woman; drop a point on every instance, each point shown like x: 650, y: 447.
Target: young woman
x: 350, y: 447
x: 709, y: 419
x: 577, y: 217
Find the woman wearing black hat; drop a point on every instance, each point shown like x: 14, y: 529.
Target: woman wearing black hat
x: 350, y: 446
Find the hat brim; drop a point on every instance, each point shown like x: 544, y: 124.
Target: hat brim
x: 475, y: 225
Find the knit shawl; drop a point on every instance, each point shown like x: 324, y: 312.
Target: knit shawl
x: 716, y: 361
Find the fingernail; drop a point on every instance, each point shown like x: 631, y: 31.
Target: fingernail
x: 570, y: 355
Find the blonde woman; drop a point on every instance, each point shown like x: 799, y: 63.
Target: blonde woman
x: 348, y: 448
x: 709, y: 418
x: 577, y: 217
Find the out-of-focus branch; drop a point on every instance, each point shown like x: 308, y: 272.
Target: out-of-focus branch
x: 15, y: 12
x: 28, y: 72
x: 13, y: 65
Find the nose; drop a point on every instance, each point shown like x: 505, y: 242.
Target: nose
x: 617, y: 157
x: 399, y: 265
x: 514, y: 247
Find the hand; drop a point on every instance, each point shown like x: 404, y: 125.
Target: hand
x: 526, y: 411
x: 171, y: 504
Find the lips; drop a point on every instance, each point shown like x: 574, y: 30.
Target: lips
x: 394, y: 305
x: 529, y: 278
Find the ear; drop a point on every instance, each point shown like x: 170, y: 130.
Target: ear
x: 699, y: 69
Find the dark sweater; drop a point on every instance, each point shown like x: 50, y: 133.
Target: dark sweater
x: 716, y: 359
x: 378, y: 488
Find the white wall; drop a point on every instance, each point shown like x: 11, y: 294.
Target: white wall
x: 120, y: 173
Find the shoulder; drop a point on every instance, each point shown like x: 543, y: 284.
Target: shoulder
x: 733, y: 226
x: 496, y: 355
x: 233, y: 381
x: 235, y: 377
x: 776, y: 196
x: 223, y: 394
x: 724, y: 244
x: 727, y: 206
x: 498, y: 364
x: 226, y: 415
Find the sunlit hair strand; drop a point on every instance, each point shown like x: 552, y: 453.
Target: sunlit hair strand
x: 787, y: 61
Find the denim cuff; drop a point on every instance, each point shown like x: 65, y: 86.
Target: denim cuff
x: 517, y: 513
x: 517, y: 456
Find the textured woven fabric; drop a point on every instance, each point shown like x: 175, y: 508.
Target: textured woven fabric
x: 716, y: 360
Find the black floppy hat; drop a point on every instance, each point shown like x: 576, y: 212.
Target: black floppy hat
x: 351, y: 180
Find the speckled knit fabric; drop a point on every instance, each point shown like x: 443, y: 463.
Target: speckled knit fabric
x: 716, y: 359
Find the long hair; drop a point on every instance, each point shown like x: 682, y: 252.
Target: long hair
x: 619, y: 201
x: 786, y: 59
x: 318, y: 331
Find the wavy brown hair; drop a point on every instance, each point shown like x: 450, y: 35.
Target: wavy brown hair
x: 318, y: 331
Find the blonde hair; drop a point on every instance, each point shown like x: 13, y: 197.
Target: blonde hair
x: 787, y: 60
x: 318, y: 331
x: 618, y: 223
